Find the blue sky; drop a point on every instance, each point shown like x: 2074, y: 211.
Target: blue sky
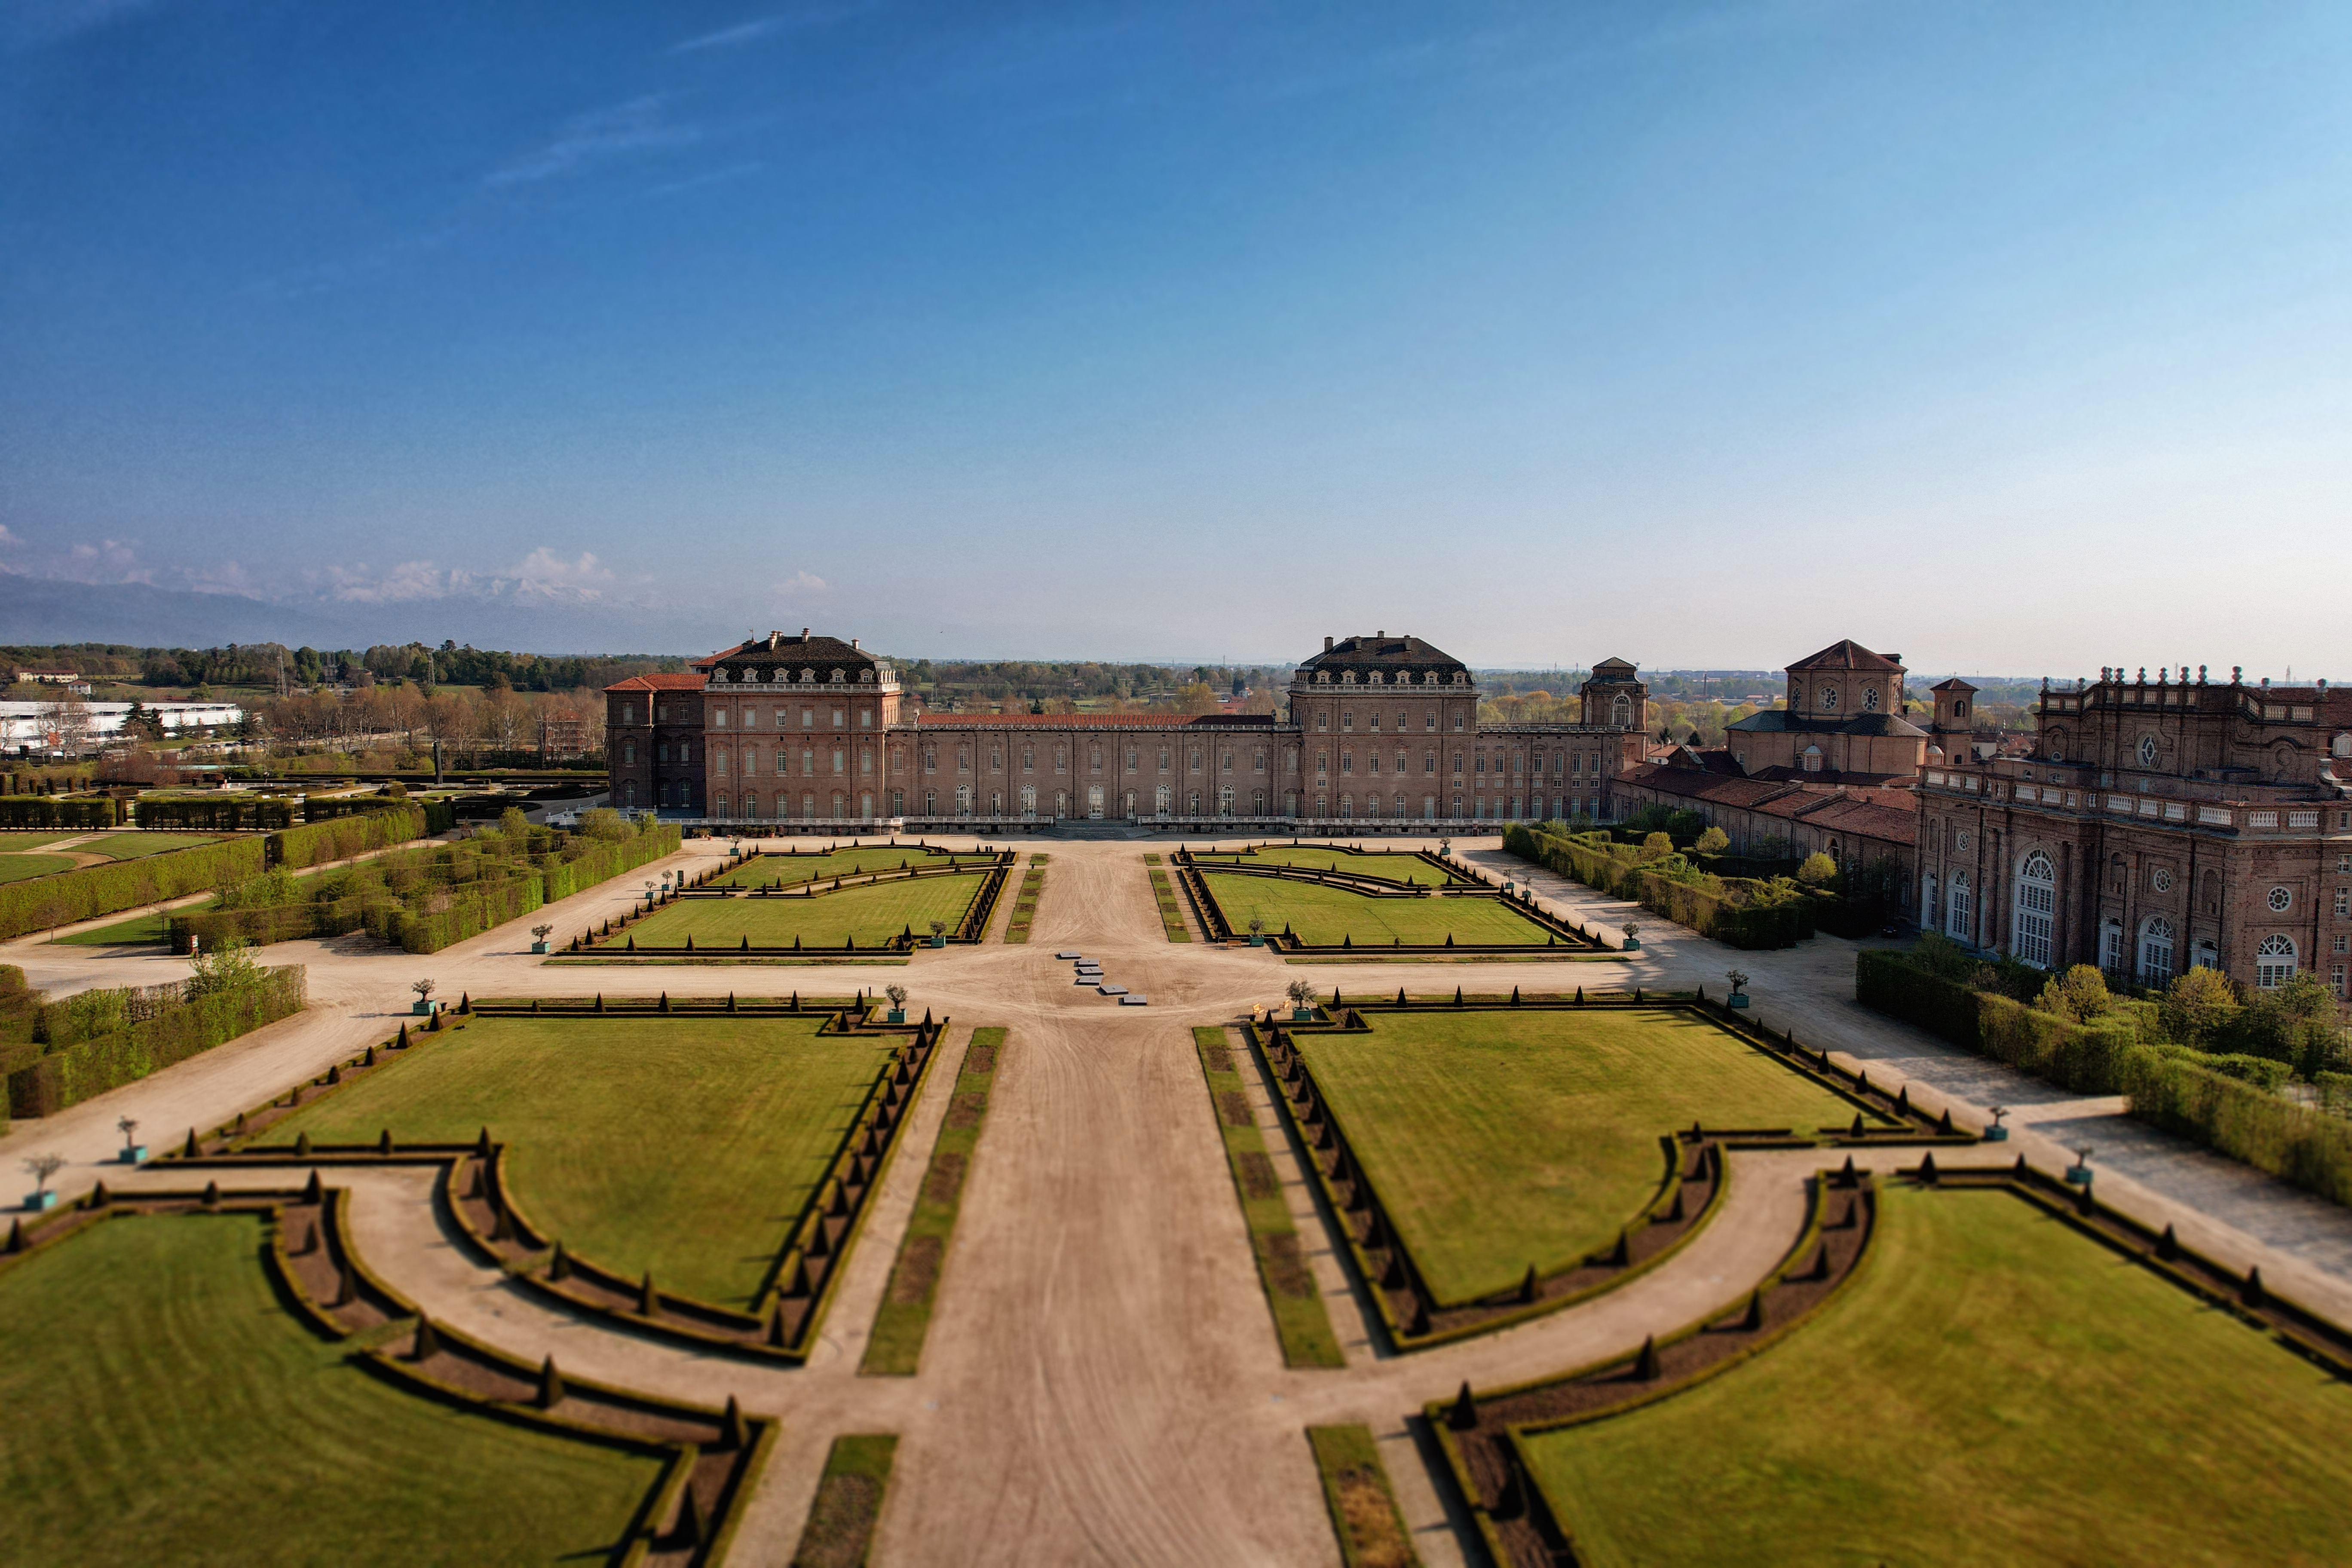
x: 2009, y: 337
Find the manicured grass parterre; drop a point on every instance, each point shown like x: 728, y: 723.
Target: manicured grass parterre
x: 896, y: 1346
x: 840, y: 1529
x: 1498, y: 1140
x: 153, y: 926
x: 685, y: 1146
x: 1321, y: 916
x: 164, y: 1407
x: 1300, y: 1321
x: 1364, y: 1513
x: 25, y: 867
x: 1024, y: 907
x: 1401, y: 867
x: 793, y: 870
x: 1163, y: 894
x: 870, y: 914
x: 1993, y: 1387
x: 137, y: 846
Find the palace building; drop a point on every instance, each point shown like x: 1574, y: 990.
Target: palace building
x: 818, y: 733
x: 2156, y: 826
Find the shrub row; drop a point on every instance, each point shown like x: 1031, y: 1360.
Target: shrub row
x: 212, y: 814
x: 2228, y: 1103
x: 68, y: 1074
x: 51, y: 811
x: 340, y: 837
x: 1737, y: 916
x: 92, y: 891
x: 584, y: 862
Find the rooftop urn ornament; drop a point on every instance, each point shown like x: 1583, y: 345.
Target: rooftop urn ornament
x: 1996, y: 1133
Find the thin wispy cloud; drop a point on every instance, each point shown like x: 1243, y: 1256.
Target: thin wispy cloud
x: 768, y: 26
x: 28, y: 24
x: 713, y: 177
x: 638, y: 126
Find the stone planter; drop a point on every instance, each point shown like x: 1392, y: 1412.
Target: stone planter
x: 1256, y: 940
x: 1996, y: 1134
x: 938, y: 941
x: 2078, y: 1175
x: 134, y: 1155
x: 1302, y: 1014
x: 40, y: 1203
x: 1738, y: 999
x: 897, y: 1015
x: 539, y: 947
x: 424, y: 1007
x: 1632, y: 944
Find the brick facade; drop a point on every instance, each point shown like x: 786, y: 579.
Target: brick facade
x: 2156, y: 826
x: 815, y: 729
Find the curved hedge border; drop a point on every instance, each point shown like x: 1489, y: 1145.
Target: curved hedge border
x: 711, y: 1457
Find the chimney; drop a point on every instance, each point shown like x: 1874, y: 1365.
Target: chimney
x: 1381, y: 634
x: 853, y: 642
x: 805, y: 634
x: 1326, y: 644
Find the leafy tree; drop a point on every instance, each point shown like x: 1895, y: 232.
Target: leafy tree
x: 2078, y: 995
x: 1818, y: 872
x: 603, y: 822
x: 228, y: 968
x: 1713, y: 841
x: 2199, y: 1008
x: 1656, y: 844
x: 514, y: 824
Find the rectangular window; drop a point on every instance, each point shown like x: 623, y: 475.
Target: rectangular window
x: 866, y: 718
x: 1348, y: 719
x: 2343, y: 903
x: 718, y: 718
x: 808, y: 718
x: 838, y: 723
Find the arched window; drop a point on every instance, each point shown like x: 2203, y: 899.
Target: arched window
x: 2111, y: 947
x: 2274, y: 961
x: 2341, y: 746
x: 1812, y: 760
x: 1960, y: 708
x: 1621, y: 711
x: 2037, y: 905
x: 1927, y: 901
x: 1959, y: 913
x: 2156, y: 952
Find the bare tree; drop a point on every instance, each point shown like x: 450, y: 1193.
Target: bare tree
x: 41, y: 1167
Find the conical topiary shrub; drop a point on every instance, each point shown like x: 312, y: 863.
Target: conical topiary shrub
x: 648, y: 1302
x: 559, y: 1265
x: 734, y: 1432
x: 2168, y: 1246
x: 316, y: 1191
x: 1754, y: 1318
x: 1464, y: 1416
x: 551, y: 1385
x: 428, y: 1343
x: 1645, y: 1364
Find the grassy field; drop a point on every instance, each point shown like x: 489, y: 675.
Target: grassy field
x: 1498, y: 1140
x: 1163, y: 894
x: 840, y: 1529
x: 873, y: 914
x: 686, y: 1146
x: 153, y: 926
x: 792, y: 870
x: 162, y: 1407
x: 1993, y: 1388
x: 25, y: 867
x: 139, y: 846
x: 1364, y: 1513
x: 1390, y: 865
x: 1024, y: 914
x: 1300, y: 1321
x: 1321, y: 916
x: 895, y: 1349
x: 15, y: 840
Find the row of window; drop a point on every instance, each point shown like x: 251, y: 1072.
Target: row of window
x: 810, y: 759
x: 780, y: 717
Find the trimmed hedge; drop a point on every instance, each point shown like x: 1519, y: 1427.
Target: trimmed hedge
x: 54, y: 811
x: 2080, y: 1057
x: 340, y: 837
x: 2228, y: 1104
x: 66, y: 1075
x: 2294, y: 1142
x: 601, y: 859
x: 92, y: 891
x: 212, y: 814
x: 1736, y: 916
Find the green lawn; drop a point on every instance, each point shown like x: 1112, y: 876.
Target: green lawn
x: 153, y: 926
x: 792, y: 870
x: 683, y: 1145
x: 138, y: 846
x: 14, y: 840
x: 1391, y: 864
x: 1993, y: 1388
x: 873, y: 913
x: 1498, y: 1140
x: 1321, y: 916
x: 25, y: 867
x: 162, y: 1407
